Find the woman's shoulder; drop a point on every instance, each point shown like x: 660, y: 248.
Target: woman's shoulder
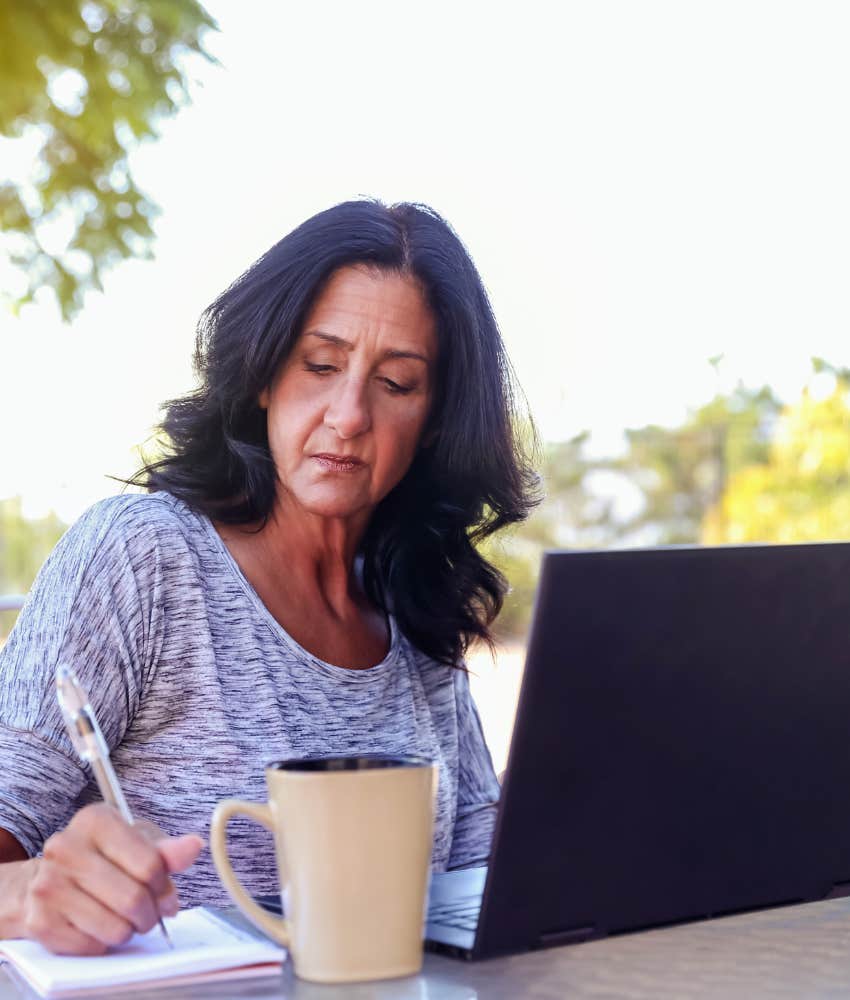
x: 135, y: 513
x: 132, y: 526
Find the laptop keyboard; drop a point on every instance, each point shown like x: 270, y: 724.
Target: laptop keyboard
x: 461, y: 913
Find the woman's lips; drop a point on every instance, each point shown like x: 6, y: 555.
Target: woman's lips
x: 339, y: 463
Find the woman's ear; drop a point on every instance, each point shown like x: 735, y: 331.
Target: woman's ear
x: 263, y: 399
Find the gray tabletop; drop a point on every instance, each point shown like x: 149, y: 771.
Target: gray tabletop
x: 795, y: 951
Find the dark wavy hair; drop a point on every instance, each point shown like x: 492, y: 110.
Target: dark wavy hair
x: 420, y: 560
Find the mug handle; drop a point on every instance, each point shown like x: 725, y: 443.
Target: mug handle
x: 277, y: 928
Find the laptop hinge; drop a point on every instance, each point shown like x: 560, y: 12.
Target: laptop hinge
x: 570, y: 936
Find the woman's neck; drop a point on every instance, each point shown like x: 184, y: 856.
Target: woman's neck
x: 305, y: 576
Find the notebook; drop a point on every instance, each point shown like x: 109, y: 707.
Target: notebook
x: 681, y: 748
x: 206, y: 949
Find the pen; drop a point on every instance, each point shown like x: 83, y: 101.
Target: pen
x: 89, y: 743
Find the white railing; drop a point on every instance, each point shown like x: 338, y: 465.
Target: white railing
x: 12, y: 602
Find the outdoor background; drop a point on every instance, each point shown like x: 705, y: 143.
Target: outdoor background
x: 656, y: 195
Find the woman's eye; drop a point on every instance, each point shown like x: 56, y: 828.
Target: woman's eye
x: 396, y: 387
x: 318, y: 369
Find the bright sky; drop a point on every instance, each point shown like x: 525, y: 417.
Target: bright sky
x: 642, y: 185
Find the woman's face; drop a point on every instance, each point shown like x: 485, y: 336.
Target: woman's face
x: 348, y: 407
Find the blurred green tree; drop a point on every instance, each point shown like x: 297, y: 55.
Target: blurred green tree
x: 24, y: 545
x: 671, y: 478
x: 682, y: 472
x: 743, y: 467
x: 801, y: 491
x: 83, y: 81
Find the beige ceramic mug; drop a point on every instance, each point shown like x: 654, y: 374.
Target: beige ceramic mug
x: 353, y: 840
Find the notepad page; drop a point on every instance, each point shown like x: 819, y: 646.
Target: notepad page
x: 202, y: 943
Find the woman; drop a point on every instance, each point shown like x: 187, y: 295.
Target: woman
x: 300, y: 579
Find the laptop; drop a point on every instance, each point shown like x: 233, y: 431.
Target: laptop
x: 681, y: 749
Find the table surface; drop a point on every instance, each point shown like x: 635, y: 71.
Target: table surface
x: 795, y: 951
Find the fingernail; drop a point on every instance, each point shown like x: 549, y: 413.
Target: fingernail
x: 169, y: 905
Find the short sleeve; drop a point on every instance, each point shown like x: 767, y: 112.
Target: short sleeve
x: 478, y: 787
x: 84, y: 611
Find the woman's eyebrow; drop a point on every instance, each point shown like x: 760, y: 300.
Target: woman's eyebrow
x: 331, y: 338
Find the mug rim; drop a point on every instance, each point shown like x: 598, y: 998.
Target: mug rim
x: 342, y: 763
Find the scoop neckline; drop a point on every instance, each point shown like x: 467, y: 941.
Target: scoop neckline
x: 351, y: 674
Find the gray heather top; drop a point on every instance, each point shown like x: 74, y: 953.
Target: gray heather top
x: 196, y: 687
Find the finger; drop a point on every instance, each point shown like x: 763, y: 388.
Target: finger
x: 100, y: 830
x: 131, y: 851
x: 169, y: 904
x: 94, y: 918
x: 49, y: 898
x: 149, y: 829
x: 128, y: 898
x: 56, y: 934
x: 179, y: 853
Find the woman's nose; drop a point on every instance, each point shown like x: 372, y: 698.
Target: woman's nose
x: 348, y: 412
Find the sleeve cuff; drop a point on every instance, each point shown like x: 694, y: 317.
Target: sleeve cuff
x: 39, y: 788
